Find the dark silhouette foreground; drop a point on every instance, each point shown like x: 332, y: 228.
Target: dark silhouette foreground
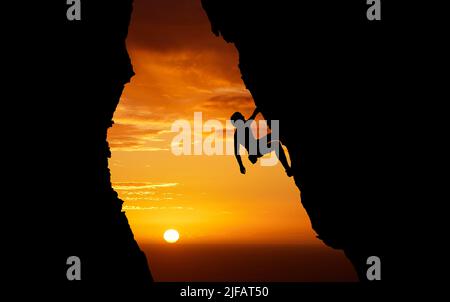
x: 316, y: 67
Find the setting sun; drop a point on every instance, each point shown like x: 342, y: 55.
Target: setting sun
x: 171, y: 236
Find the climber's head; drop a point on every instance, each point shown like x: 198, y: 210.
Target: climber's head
x: 237, y: 116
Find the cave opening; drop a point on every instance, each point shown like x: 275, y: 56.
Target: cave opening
x: 228, y: 224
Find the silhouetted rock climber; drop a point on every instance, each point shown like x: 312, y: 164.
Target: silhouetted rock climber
x: 252, y: 144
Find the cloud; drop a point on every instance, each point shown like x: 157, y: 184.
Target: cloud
x: 181, y: 67
x: 141, y: 186
x: 171, y: 25
x: 140, y: 208
x: 146, y: 193
x: 137, y: 137
x: 233, y: 101
x: 135, y: 129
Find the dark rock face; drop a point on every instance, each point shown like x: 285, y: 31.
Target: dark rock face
x: 101, y: 234
x: 73, y: 76
x: 327, y: 74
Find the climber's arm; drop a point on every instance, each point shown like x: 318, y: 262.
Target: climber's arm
x: 255, y: 113
x: 236, y: 153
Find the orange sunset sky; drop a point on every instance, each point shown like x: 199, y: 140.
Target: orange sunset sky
x: 181, y: 68
x: 232, y: 227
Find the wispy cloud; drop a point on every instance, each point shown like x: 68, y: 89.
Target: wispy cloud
x: 139, y: 208
x: 142, y: 186
x: 170, y: 87
x: 129, y: 147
